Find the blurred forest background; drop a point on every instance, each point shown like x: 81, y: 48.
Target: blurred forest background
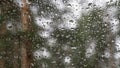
x: 59, y: 34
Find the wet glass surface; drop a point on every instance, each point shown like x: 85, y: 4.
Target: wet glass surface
x: 59, y: 34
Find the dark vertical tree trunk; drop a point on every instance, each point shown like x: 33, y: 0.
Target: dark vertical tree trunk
x: 26, y: 44
x: 16, y: 53
x: 3, y: 29
x: 2, y: 62
x: 2, y: 33
x: 25, y: 14
x: 24, y: 61
x: 26, y: 54
x: 111, y: 47
x: 111, y: 43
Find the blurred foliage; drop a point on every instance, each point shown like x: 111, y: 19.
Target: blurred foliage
x: 90, y: 27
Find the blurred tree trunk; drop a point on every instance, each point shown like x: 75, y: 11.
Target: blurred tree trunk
x: 25, y: 15
x: 2, y: 33
x: 110, y: 44
x: 3, y: 29
x: 16, y: 52
x: 111, y: 47
x: 26, y: 44
x: 2, y: 63
x: 26, y: 54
